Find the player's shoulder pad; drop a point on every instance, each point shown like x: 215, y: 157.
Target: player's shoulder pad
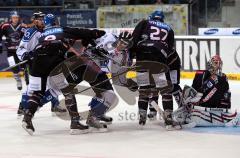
x: 5, y: 25
x: 52, y: 30
x: 29, y: 33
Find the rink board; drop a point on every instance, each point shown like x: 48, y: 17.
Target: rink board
x: 184, y: 75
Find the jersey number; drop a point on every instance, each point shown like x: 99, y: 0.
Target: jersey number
x: 155, y: 35
x: 50, y: 38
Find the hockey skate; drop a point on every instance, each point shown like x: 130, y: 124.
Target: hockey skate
x: 95, y: 124
x: 142, y: 117
x: 27, y: 123
x: 76, y: 127
x: 106, y: 119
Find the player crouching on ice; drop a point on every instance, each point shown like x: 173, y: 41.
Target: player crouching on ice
x: 208, y: 101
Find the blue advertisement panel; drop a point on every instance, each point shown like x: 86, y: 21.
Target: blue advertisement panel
x: 74, y: 18
x: 84, y: 18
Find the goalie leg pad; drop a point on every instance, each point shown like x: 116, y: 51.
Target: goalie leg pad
x: 211, y: 118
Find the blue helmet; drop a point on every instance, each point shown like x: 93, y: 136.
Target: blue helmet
x: 157, y: 15
x: 14, y: 13
x: 49, y: 20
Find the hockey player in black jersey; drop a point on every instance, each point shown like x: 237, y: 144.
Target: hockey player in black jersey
x: 53, y: 44
x: 174, y: 64
x: 208, y: 102
x: 13, y: 31
x: 153, y: 41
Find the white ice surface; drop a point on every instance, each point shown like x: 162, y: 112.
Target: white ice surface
x: 125, y: 139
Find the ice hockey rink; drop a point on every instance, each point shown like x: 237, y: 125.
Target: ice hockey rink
x: 125, y: 138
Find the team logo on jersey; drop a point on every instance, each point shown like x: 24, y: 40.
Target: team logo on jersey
x: 209, y: 84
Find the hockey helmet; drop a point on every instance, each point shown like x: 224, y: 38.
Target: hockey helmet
x: 37, y: 15
x: 50, y: 20
x: 157, y: 15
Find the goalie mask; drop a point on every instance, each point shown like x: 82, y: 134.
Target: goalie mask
x: 214, y: 65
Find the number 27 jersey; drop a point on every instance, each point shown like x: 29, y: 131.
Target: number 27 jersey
x: 153, y: 31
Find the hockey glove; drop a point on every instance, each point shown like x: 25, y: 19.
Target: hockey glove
x: 125, y: 37
x: 98, y: 33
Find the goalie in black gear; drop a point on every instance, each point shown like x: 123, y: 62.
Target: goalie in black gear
x: 210, y: 105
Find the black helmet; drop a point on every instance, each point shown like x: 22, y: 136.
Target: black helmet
x: 38, y: 14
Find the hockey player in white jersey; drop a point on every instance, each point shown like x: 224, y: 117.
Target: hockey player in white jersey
x: 24, y: 52
x: 114, y: 57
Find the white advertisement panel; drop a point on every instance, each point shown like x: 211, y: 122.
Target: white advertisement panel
x: 235, y: 31
x: 195, y: 51
x: 130, y: 15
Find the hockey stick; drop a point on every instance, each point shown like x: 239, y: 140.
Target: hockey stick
x: 13, y: 66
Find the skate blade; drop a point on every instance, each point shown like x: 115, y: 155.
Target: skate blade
x: 29, y: 131
x: 98, y: 130
x: 78, y: 131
